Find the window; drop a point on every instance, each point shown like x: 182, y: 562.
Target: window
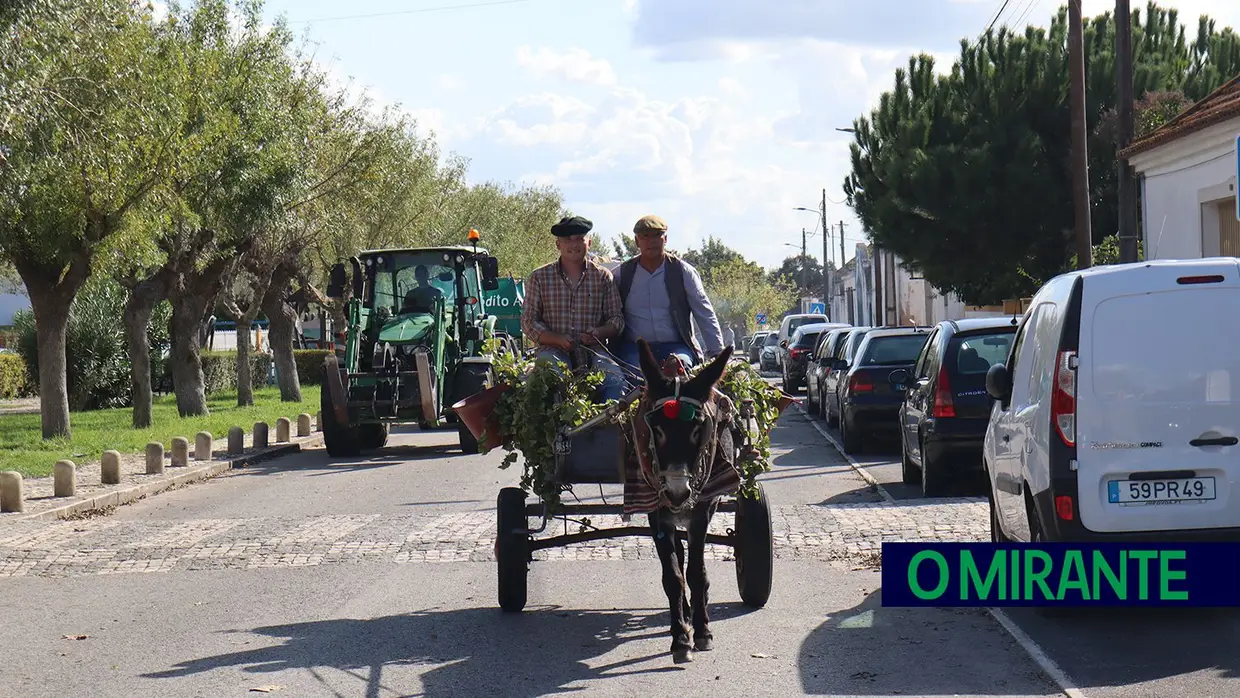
x: 893, y: 349
x: 975, y: 354
x: 1027, y: 373
x: 929, y: 355
x: 807, y: 340
x: 772, y: 340
x: 404, y: 277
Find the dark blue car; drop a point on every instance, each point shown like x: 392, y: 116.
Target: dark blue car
x: 945, y: 407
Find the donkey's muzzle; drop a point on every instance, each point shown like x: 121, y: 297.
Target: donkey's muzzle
x: 676, y: 483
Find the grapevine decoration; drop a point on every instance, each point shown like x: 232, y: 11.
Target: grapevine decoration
x: 528, y: 416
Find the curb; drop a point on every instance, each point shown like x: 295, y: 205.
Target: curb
x: 128, y: 495
x: 1026, y: 643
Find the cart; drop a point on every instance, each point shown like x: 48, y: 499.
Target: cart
x: 599, y: 452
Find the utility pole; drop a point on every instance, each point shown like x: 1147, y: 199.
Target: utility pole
x: 843, y: 299
x: 1080, y: 149
x: 826, y: 257
x: 1127, y: 183
x: 804, y: 263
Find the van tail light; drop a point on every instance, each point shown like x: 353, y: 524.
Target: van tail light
x: 860, y: 383
x: 1063, y: 402
x: 943, y: 405
x: 1063, y: 506
x: 797, y: 353
x: 1204, y: 279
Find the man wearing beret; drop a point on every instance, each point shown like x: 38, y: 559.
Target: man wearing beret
x: 663, y: 295
x: 572, y: 304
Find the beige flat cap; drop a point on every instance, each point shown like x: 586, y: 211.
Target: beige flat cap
x: 650, y: 223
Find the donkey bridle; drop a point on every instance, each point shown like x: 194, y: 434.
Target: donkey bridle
x: 702, y: 412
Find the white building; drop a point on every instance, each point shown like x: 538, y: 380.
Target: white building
x: 904, y: 298
x: 1187, y: 170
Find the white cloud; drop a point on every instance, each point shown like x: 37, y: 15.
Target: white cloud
x: 450, y: 82
x: 574, y: 65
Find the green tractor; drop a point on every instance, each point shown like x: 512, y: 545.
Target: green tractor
x: 415, y: 344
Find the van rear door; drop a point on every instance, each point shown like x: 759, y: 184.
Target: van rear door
x: 1158, y: 398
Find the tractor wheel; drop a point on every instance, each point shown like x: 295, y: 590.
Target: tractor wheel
x: 512, y: 549
x: 755, y: 549
x: 373, y: 435
x: 341, y: 441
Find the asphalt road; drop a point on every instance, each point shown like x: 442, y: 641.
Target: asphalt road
x: 375, y: 626
x: 1106, y: 652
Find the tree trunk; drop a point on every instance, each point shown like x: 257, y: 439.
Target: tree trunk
x: 51, y: 321
x: 281, y: 331
x: 138, y: 308
x: 187, y: 377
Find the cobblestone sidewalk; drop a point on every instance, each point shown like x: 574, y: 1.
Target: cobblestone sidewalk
x: 847, y: 533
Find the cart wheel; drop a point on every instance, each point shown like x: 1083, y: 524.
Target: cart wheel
x: 512, y: 550
x: 755, y: 549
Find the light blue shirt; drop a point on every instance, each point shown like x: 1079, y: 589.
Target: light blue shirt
x: 648, y: 310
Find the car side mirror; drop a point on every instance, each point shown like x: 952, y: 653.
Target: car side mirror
x: 897, y: 379
x: 840, y: 365
x: 335, y: 286
x: 999, y: 383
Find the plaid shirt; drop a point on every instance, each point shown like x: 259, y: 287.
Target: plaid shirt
x: 555, y: 304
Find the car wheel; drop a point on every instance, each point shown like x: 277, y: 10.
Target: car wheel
x: 853, y: 442
x: 910, y: 474
x: 933, y: 479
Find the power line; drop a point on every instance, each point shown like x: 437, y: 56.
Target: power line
x: 421, y: 10
x: 997, y: 15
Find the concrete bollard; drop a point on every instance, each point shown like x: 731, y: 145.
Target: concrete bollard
x: 64, y: 482
x: 180, y: 451
x: 236, y: 440
x: 204, y: 443
x: 154, y: 458
x: 260, y: 435
x: 12, y: 494
x: 318, y: 421
x: 303, y: 424
x: 282, y: 425
x: 110, y: 468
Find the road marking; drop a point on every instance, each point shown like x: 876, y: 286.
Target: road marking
x: 1056, y: 674
x: 852, y: 462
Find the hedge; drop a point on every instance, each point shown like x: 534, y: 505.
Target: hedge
x: 310, y: 365
x: 14, y: 380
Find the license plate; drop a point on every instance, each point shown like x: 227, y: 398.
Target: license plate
x: 1194, y: 489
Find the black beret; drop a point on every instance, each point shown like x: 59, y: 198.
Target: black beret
x: 574, y: 225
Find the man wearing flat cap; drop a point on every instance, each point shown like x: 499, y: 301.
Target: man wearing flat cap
x: 572, y: 306
x: 663, y: 297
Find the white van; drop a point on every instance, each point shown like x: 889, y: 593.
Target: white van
x: 1117, y: 413
x: 790, y: 325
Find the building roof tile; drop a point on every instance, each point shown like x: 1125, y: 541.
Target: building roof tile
x: 1220, y: 105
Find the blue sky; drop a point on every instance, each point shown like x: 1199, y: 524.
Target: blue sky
x: 718, y: 115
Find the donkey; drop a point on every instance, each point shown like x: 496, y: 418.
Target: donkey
x: 688, y: 443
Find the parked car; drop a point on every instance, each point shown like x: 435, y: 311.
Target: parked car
x: 842, y: 360
x: 797, y: 352
x: 1107, y: 427
x: 820, y: 364
x: 767, y: 359
x: 868, y: 403
x: 789, y: 324
x: 945, y: 410
x: 755, y: 346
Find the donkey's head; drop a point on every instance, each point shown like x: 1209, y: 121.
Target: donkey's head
x: 683, y: 419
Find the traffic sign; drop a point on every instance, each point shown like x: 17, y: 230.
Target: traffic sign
x: 761, y: 318
x: 820, y: 308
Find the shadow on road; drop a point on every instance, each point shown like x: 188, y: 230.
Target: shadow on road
x: 482, y: 650
x: 1126, y: 646
x: 872, y: 650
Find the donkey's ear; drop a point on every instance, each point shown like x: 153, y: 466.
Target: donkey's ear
x: 651, y: 370
x: 710, y: 375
